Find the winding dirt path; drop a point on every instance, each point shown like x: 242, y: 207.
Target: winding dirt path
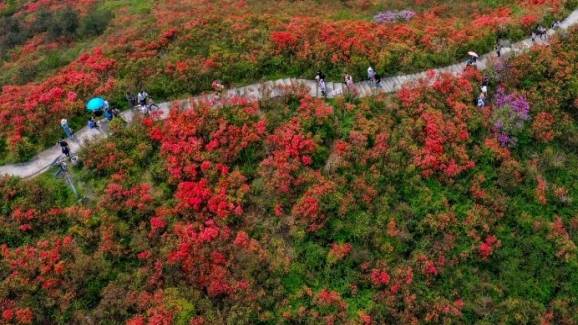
x: 45, y: 159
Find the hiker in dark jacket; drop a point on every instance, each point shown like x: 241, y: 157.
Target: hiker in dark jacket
x: 64, y: 147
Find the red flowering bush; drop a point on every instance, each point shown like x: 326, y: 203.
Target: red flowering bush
x: 300, y: 210
x: 137, y: 198
x: 339, y: 251
x: 488, y: 246
x: 212, y: 140
x: 60, y: 96
x: 379, y: 278
x: 542, y: 127
x: 205, y: 267
x: 433, y: 158
x: 290, y: 154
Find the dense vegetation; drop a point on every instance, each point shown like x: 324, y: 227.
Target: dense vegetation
x: 415, y: 207
x: 55, y: 54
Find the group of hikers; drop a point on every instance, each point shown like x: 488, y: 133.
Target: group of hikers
x: 372, y: 76
x: 107, y: 112
x: 142, y: 100
x: 482, y: 97
x: 541, y: 32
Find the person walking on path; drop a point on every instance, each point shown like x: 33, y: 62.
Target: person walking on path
x: 556, y: 25
x: 481, y: 100
x: 64, y: 147
x: 540, y: 32
x: 66, y: 128
x: 499, y: 49
x: 108, y: 115
x: 92, y: 123
x: 142, y: 97
x: 473, y: 58
x: 348, y: 79
x: 349, y: 84
x: 132, y: 100
x: 323, y: 87
x: 371, y: 74
x: 377, y: 80
x: 484, y: 89
x: 320, y: 78
x: 485, y: 84
x: 218, y: 87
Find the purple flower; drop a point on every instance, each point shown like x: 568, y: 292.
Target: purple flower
x: 509, y: 116
x: 498, y: 124
x: 521, y: 106
x: 504, y: 139
x: 405, y: 15
x: 517, y: 103
x: 385, y: 17
x: 391, y: 16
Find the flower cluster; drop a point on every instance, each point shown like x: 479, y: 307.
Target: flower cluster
x: 391, y: 16
x: 543, y: 127
x: 439, y: 134
x: 290, y: 152
x: 488, y: 246
x: 41, y: 105
x: 509, y: 116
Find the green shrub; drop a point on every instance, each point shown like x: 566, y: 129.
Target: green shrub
x: 64, y: 24
x: 44, y: 19
x: 25, y: 150
x: 94, y: 23
x: 12, y: 33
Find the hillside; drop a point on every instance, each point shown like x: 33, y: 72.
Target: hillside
x: 56, y: 54
x: 415, y: 207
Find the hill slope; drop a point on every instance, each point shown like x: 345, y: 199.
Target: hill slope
x: 414, y: 207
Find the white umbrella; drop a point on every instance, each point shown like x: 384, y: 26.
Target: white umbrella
x: 474, y: 54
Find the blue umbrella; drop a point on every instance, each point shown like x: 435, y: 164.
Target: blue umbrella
x: 95, y: 104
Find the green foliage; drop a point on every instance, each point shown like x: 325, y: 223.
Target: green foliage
x: 12, y: 33
x: 64, y: 24
x: 25, y: 150
x: 94, y: 23
x: 375, y: 220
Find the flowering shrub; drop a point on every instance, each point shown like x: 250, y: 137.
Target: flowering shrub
x: 391, y: 16
x: 387, y: 209
x: 290, y: 153
x: 487, y: 246
x: 339, y: 251
x: 542, y: 127
x: 432, y: 157
x: 155, y: 55
x: 137, y: 198
x: 379, y: 278
x: 509, y: 116
x: 61, y: 95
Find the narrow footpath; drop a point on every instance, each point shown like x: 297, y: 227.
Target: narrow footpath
x: 45, y: 159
